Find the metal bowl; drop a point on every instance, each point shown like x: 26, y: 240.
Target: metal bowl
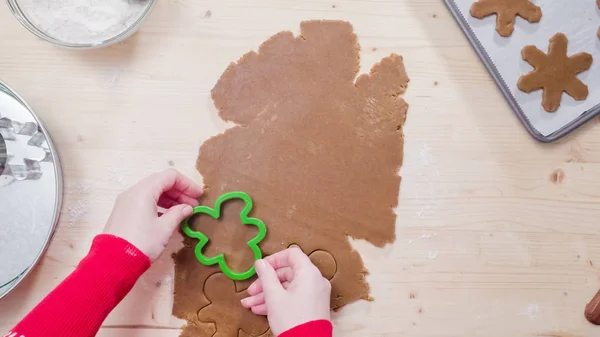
x: 22, y: 18
x: 30, y: 189
x: 3, y: 154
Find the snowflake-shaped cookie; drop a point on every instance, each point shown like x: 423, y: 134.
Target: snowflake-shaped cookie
x: 506, y: 12
x: 555, y: 72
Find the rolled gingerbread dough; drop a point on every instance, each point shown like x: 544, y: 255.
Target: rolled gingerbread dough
x: 317, y: 149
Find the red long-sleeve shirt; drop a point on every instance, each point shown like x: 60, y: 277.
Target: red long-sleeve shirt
x: 79, y: 305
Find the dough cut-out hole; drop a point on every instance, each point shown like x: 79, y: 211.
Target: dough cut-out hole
x: 3, y: 154
x: 223, y: 300
x: 325, y: 262
x: 227, y: 235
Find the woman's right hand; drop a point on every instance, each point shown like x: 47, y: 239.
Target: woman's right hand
x: 290, y: 291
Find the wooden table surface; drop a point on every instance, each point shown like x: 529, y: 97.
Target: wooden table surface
x: 497, y: 233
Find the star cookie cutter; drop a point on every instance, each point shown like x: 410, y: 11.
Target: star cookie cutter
x: 215, y: 213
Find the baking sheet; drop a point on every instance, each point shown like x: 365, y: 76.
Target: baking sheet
x: 579, y: 21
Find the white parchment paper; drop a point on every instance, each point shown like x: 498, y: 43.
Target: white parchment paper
x: 578, y: 20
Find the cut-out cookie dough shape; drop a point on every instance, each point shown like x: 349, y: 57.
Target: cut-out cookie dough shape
x: 555, y: 72
x: 318, y: 149
x: 223, y: 306
x: 506, y: 13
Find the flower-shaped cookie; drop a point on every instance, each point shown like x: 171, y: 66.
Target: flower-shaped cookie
x: 216, y: 213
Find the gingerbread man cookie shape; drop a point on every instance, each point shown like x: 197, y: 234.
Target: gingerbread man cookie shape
x: 555, y: 72
x: 506, y: 12
x: 225, y: 305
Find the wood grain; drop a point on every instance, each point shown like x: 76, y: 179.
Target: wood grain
x: 497, y: 234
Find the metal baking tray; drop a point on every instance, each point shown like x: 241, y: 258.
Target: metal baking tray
x: 578, y: 20
x: 30, y: 189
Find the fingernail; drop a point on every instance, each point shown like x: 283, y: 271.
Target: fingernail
x: 243, y: 301
x: 260, y: 265
x: 187, y: 210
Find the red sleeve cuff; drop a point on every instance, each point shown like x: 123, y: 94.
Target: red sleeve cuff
x: 79, y: 305
x: 321, y: 328
x: 113, y: 266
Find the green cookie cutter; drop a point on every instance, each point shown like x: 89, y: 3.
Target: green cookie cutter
x: 216, y: 213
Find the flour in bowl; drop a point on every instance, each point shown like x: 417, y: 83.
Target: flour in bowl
x: 83, y: 21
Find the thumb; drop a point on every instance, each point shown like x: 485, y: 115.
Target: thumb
x: 175, y: 215
x: 268, y: 278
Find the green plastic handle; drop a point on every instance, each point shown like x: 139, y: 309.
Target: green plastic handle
x: 216, y: 213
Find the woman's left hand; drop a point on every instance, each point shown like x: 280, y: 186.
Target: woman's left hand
x: 135, y: 216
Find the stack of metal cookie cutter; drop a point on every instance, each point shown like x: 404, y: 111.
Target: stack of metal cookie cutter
x: 30, y: 189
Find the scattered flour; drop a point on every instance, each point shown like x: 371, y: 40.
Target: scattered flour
x: 419, y: 174
x: 76, y: 211
x: 155, y: 281
x: 114, y: 175
x: 145, y: 284
x: 113, y: 79
x: 426, y: 156
x: 80, y: 189
x: 83, y: 22
x: 79, y: 206
x: 533, y: 311
x: 427, y: 236
x: 166, y: 279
